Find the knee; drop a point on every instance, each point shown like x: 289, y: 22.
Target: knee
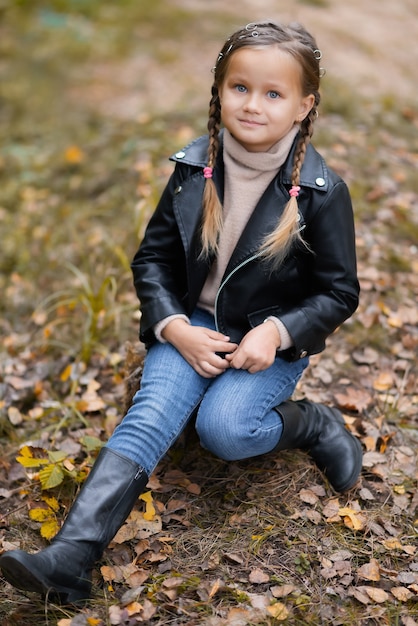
x: 220, y: 437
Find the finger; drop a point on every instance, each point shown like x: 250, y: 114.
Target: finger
x: 207, y: 370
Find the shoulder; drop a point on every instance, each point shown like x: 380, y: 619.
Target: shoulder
x: 315, y: 173
x: 195, y: 153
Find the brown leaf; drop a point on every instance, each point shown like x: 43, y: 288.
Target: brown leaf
x: 308, y: 496
x: 234, y: 558
x: 368, y: 356
x: 257, y: 576
x: 370, y: 571
x: 354, y: 400
x: 281, y: 591
x: 383, y: 382
x: 377, y: 595
x: 401, y: 593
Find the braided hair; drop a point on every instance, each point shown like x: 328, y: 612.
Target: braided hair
x: 296, y: 41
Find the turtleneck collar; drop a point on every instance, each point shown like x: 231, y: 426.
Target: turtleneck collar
x: 255, y: 162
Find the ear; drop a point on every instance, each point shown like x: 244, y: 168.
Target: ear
x: 306, y: 105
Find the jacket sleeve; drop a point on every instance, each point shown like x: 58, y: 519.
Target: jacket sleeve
x: 158, y: 267
x: 333, y: 288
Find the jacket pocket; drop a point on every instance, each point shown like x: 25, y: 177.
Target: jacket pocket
x: 255, y: 318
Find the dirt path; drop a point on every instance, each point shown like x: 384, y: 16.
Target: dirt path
x: 371, y: 46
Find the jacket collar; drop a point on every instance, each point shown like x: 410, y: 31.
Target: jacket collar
x: 314, y: 173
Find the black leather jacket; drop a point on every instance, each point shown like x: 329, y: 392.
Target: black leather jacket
x: 312, y: 292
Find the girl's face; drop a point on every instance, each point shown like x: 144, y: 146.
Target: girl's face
x: 261, y: 97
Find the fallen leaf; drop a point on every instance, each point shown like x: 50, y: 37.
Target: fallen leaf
x: 281, y: 591
x: 215, y: 587
x: 354, y: 400
x: 383, y: 382
x: 257, y: 576
x: 308, y: 496
x: 369, y: 571
x: 401, y: 593
x: 377, y: 595
x: 355, y: 519
x: 278, y: 611
x: 149, y: 514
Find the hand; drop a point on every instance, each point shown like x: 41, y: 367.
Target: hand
x: 257, y: 350
x: 198, y: 346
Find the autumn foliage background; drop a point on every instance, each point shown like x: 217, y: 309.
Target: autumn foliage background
x: 94, y: 96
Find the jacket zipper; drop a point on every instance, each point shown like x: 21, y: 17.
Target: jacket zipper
x: 223, y: 283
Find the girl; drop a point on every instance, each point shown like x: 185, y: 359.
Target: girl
x: 246, y: 267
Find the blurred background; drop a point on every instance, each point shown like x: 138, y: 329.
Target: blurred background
x: 94, y: 96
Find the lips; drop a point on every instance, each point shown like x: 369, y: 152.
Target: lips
x: 250, y: 123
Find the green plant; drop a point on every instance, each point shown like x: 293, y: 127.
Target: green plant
x: 79, y: 318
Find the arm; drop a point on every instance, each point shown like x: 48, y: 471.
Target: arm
x: 159, y: 265
x: 331, y: 277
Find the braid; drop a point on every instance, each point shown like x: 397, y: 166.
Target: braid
x: 276, y: 245
x: 306, y: 131
x: 212, y: 208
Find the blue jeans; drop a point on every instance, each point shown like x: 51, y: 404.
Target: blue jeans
x: 235, y: 417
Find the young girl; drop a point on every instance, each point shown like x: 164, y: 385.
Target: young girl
x: 246, y: 267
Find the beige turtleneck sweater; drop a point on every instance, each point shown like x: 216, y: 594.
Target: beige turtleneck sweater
x: 247, y: 175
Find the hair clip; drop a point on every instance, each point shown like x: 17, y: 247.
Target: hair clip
x: 294, y: 192
x: 251, y: 28
x: 207, y: 172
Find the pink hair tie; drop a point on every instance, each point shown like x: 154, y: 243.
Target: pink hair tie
x: 294, y: 192
x: 207, y: 172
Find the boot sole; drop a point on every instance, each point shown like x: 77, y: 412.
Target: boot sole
x: 24, y: 579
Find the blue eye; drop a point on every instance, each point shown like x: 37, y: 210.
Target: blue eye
x: 240, y: 88
x: 273, y: 95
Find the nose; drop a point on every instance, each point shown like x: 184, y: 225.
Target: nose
x: 252, y: 103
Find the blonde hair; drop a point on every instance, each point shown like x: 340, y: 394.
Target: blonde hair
x: 294, y: 40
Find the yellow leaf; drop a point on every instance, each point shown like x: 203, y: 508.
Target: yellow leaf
x: 278, y: 611
x: 49, y: 529
x: 133, y: 608
x: 353, y: 516
x: 149, y: 506
x: 74, y: 155
x: 27, y: 459
x: 66, y: 373
x: 93, y: 621
x: 52, y: 503
x: 40, y: 515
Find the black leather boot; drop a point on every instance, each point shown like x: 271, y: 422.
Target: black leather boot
x: 62, y: 571
x: 321, y: 431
